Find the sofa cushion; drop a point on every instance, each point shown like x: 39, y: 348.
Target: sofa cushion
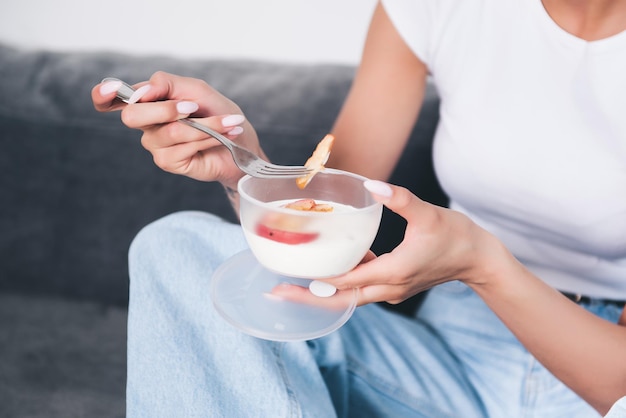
x: 61, y: 358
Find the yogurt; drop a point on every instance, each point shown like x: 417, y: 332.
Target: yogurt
x: 312, y: 244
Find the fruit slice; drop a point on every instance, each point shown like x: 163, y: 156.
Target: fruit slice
x: 322, y: 207
x: 285, y: 237
x: 302, y: 204
x: 309, y: 205
x: 287, y: 229
x: 317, y: 160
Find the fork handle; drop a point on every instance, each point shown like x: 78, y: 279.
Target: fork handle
x: 225, y: 141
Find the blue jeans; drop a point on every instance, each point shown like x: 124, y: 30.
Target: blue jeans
x: 455, y: 359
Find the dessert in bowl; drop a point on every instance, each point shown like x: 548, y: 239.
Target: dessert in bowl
x: 295, y: 236
x: 320, y: 231
x: 315, y: 227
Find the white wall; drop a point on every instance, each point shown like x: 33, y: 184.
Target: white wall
x: 279, y: 30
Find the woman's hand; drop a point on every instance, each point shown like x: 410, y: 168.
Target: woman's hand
x: 439, y: 245
x: 175, y: 147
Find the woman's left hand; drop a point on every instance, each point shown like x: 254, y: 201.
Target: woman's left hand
x: 439, y: 245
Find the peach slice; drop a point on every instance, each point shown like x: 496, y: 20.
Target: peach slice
x: 302, y: 204
x: 285, y: 237
x: 309, y: 205
x: 317, y: 160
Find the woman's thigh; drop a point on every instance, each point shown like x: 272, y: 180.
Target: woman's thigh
x: 186, y: 360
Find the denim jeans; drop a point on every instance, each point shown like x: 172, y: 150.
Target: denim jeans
x: 454, y: 359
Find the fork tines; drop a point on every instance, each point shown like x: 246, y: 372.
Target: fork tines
x: 291, y: 171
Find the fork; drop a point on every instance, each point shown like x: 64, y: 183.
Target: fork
x: 246, y: 160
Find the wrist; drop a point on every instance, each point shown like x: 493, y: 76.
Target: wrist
x: 491, y: 262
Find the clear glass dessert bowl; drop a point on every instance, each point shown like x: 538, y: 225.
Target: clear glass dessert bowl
x: 296, y: 236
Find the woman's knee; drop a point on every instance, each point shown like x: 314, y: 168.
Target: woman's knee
x: 161, y: 233
x: 183, y: 237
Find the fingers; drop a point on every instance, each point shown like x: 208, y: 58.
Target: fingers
x: 376, y: 271
x: 139, y: 93
x: 370, y: 276
x: 302, y: 295
x: 143, y: 115
x: 163, y: 86
x: 393, y: 277
x: 103, y: 96
x: 398, y: 199
x: 167, y: 135
x: 182, y: 158
x: 340, y: 301
x: 382, y: 293
x: 439, y: 245
x: 181, y: 149
x: 164, y: 98
x: 155, y: 106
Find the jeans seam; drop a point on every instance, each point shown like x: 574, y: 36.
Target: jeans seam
x: 529, y: 393
x: 294, y: 406
x: 383, y: 387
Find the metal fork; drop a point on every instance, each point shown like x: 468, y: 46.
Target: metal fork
x: 246, y: 160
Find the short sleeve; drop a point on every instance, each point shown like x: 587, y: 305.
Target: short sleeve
x: 414, y: 20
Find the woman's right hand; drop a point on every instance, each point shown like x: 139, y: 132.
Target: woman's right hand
x: 175, y: 147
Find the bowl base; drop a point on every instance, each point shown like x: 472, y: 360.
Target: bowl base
x: 245, y: 294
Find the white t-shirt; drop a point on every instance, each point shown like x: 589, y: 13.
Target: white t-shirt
x: 531, y: 142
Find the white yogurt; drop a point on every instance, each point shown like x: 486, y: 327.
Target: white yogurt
x: 345, y: 235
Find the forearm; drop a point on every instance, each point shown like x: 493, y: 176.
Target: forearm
x: 584, y: 351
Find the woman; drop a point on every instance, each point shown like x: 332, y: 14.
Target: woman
x: 528, y: 266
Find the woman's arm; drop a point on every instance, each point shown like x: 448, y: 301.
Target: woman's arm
x: 584, y: 351
x: 382, y: 105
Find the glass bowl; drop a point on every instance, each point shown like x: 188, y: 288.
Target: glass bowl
x: 294, y: 247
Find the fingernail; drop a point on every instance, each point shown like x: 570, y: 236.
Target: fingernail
x: 138, y: 94
x: 186, y: 107
x: 322, y: 289
x: 232, y: 120
x: 110, y: 87
x: 379, y: 188
x: 235, y: 131
x: 273, y: 297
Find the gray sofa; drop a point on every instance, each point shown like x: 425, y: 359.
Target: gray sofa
x: 76, y: 186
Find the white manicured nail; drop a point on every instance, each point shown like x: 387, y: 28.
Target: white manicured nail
x: 232, y: 120
x: 186, y: 107
x: 235, y: 131
x: 138, y: 94
x: 271, y: 296
x: 110, y: 87
x: 378, y: 187
x: 322, y: 289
